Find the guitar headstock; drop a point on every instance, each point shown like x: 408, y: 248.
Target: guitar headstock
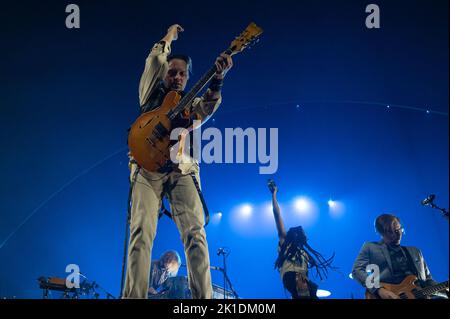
x: 247, y: 38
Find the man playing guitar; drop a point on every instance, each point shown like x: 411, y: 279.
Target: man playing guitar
x: 164, y: 73
x: 396, y: 263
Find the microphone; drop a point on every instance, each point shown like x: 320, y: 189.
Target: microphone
x: 222, y: 251
x: 215, y: 268
x: 428, y: 200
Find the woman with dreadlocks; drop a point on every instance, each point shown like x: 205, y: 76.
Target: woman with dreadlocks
x: 295, y: 256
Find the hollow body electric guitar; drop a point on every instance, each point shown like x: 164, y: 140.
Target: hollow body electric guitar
x: 149, y: 137
x: 408, y: 289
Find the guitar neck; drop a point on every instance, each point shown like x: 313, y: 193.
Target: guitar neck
x: 187, y: 99
x: 433, y: 289
x: 248, y: 36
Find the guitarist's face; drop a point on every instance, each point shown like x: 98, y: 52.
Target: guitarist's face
x: 393, y: 233
x: 177, y: 75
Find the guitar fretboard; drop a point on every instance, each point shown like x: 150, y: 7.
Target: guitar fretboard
x: 184, y: 102
x: 433, y: 289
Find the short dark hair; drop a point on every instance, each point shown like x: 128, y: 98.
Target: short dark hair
x: 185, y: 58
x: 383, y: 221
x: 171, y: 255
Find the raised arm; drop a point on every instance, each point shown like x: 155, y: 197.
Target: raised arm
x: 277, y: 213
x: 172, y: 33
x: 156, y: 63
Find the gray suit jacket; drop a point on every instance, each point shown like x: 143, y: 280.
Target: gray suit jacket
x: 377, y: 253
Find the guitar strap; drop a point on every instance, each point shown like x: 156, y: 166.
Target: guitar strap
x: 200, y: 194
x: 164, y: 211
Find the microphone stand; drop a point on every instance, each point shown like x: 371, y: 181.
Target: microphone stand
x: 127, y: 228
x: 226, y: 279
x: 443, y: 210
x: 92, y: 286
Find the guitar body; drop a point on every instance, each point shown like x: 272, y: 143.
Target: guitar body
x: 405, y: 289
x: 149, y: 136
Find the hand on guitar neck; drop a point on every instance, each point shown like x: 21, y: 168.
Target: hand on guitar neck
x: 223, y: 64
x: 407, y: 289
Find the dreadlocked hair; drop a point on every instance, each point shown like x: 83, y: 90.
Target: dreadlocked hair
x: 292, y: 247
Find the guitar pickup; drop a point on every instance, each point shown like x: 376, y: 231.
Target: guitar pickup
x: 160, y: 131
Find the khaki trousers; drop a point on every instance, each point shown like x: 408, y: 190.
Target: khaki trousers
x: 188, y: 215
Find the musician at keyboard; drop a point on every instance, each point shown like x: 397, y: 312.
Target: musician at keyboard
x: 166, y: 267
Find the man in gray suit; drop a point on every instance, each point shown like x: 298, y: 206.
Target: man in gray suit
x: 395, y: 262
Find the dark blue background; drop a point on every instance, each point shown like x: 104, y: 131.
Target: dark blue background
x: 68, y: 96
